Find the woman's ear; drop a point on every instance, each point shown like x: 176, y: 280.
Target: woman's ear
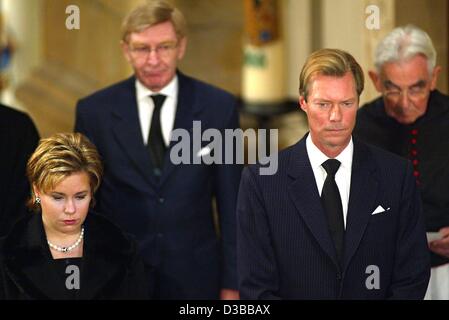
x: 36, y: 192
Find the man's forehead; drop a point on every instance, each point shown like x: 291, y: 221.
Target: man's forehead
x: 418, y: 83
x: 163, y: 31
x: 414, y: 66
x: 404, y: 80
x: 324, y: 79
x: 325, y: 76
x: 330, y: 87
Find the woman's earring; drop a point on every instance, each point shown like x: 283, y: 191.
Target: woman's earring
x: 38, y: 200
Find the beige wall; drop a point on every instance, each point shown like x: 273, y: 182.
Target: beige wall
x: 72, y: 63
x: 432, y: 16
x: 214, y: 52
x: 341, y: 24
x: 55, y: 66
x: 343, y: 27
x: 24, y: 20
x: 298, y: 42
x: 93, y: 51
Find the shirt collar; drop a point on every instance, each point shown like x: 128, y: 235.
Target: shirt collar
x: 317, y: 157
x: 170, y: 90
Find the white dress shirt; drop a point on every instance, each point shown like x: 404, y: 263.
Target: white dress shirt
x: 145, y: 107
x: 343, y: 175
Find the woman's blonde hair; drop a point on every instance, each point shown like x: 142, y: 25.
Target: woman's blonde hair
x: 59, y: 156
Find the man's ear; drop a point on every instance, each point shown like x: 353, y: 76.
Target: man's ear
x: 375, y: 78
x: 435, y: 73
x: 125, y: 50
x: 303, y: 104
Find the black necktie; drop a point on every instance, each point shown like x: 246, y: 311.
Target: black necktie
x: 156, y: 144
x: 330, y: 197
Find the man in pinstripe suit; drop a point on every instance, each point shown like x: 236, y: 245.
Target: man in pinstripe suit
x: 340, y: 219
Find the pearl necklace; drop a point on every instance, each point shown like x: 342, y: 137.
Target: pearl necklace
x: 69, y: 248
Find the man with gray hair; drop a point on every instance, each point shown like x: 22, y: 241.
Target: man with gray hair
x: 168, y: 207
x: 411, y: 119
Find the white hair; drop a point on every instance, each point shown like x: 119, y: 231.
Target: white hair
x: 404, y: 43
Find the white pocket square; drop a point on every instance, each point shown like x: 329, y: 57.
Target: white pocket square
x: 380, y: 209
x: 204, y: 151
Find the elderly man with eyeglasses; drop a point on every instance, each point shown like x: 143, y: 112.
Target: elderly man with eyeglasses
x: 168, y: 207
x: 411, y: 119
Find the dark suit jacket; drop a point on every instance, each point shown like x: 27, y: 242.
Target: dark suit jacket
x: 172, y: 219
x: 285, y: 249
x: 431, y: 143
x: 110, y: 268
x: 18, y: 139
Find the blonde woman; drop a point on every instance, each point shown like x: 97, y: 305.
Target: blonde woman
x: 64, y: 250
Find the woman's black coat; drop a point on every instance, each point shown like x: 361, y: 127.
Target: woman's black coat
x: 110, y: 267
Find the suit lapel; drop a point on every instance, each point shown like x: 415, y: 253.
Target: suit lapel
x: 127, y: 131
x: 363, y: 193
x: 304, y: 193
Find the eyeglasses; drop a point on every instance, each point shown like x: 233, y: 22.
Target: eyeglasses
x: 162, y: 50
x: 413, y: 93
